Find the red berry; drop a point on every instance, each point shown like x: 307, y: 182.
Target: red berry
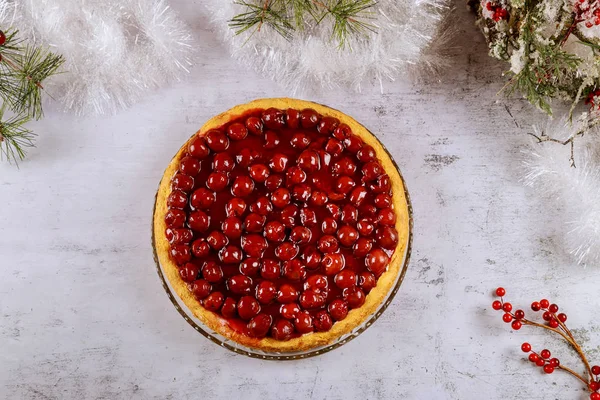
x: 500, y: 292
x: 230, y: 255
x: 217, y: 181
x: 366, y: 154
x: 595, y: 396
x: 535, y: 306
x: 287, y: 294
x: 507, y: 307
x: 365, y: 227
x: 372, y: 170
x: 318, y: 198
x: 349, y: 214
x: 334, y: 147
x: 533, y: 357
x: 553, y: 308
x: 553, y: 324
x: 310, y: 299
x: 345, y: 166
x: 562, y: 317
x: 548, y: 369
x: 300, y: 141
x: 362, y: 247
x: 266, y: 292
x: 181, y: 253
x: 318, y: 283
x: 367, y: 281
x: 309, y: 161
x: 322, y: 321
x: 198, y: 148
x: 516, y: 325
x: 301, y: 192
x: 259, y: 326
x: 271, y: 140
x: 545, y: 354
x: 289, y: 310
x: 247, y: 156
x: 275, y: 231
x: 555, y: 362
x: 596, y: 370
x: 235, y: 207
x: 282, y: 330
x: 280, y: 197
x: 303, y: 322
x: 254, y: 222
x: 177, y: 199
x: 175, y: 218
x: 294, y: 270
x: 547, y: 316
x: 198, y: 221
x: 201, y: 289
x: 519, y: 314
x: 544, y: 303
x: 279, y: 162
x: 327, y: 125
x: 216, y: 140
x: 383, y: 201
x: 507, y: 318
x: 300, y: 235
x: 237, y: 131
x: 189, y: 272
x: 327, y: 244
x: 229, y: 309
x: 594, y: 386
x: 295, y: 175
x: 217, y: 240
x: 287, y: 251
x: 309, y: 118
x: 526, y: 347
x: 214, y: 301
x: 248, y: 308
x: 239, y: 284
x: 312, y: 257
x: 540, y: 362
x: 338, y: 309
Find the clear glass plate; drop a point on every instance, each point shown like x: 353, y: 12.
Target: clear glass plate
x: 229, y: 344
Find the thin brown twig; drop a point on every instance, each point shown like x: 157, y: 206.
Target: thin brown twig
x: 262, y: 15
x: 575, y: 374
x: 571, y: 141
x: 13, y: 66
x: 575, y: 345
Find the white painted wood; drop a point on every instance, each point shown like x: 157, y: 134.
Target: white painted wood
x: 83, y: 316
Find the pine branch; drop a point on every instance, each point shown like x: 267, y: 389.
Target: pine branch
x: 23, y: 68
x: 348, y: 17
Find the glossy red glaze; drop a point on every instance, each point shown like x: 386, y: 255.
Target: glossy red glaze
x: 281, y: 221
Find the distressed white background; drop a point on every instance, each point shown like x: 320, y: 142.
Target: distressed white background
x: 83, y: 316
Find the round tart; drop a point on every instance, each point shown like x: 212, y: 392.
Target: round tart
x: 282, y: 225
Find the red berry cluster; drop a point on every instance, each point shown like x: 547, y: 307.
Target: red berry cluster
x: 498, y: 13
x: 593, y: 99
x: 594, y: 385
x: 516, y: 318
x: 552, y: 319
x: 541, y: 359
x: 587, y: 11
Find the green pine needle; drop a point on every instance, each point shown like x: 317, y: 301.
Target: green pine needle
x: 15, y: 138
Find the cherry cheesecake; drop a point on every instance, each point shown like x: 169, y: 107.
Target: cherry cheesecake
x: 282, y: 224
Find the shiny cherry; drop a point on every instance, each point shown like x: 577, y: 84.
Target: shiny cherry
x: 180, y: 253
x: 347, y: 235
x: 354, y: 296
x: 289, y: 310
x: 217, y: 240
x: 300, y: 235
x: 304, y: 322
x: 282, y: 330
x: 198, y: 148
x: 217, y: 181
x: 286, y: 251
x: 322, y: 321
x: 292, y: 118
x: 311, y: 299
x: 309, y: 118
x: 327, y: 125
x: 345, y: 279
x: 273, y: 182
x: 232, y: 227
x: 270, y: 269
x: 273, y: 118
x: 198, y: 221
x: 275, y: 231
x: 242, y: 186
x: 367, y: 281
x: 254, y: 125
x: 203, y: 198
x: 230, y: 255
x: 300, y: 141
x: 248, y: 308
x: 254, y: 222
x: 338, y: 309
x: 200, y: 248
x: 237, y: 131
x: 362, y: 247
x: 287, y: 294
x: 327, y: 244
x: 229, y: 308
x: 259, y: 326
x: 281, y: 197
x: 309, y: 160
x: 216, y: 140
x: 214, y: 301
x: 259, y: 172
x: 333, y: 263
x: 223, y: 162
x: 189, y: 272
x: 201, y: 289
x: 189, y: 166
x: 377, y: 261
x: 175, y: 218
x: 212, y: 272
x: 235, y: 207
x: 182, y: 182
x: 294, y: 270
x: 266, y: 292
x: 271, y: 140
x: 387, y: 237
x: 254, y: 245
x: 177, y: 199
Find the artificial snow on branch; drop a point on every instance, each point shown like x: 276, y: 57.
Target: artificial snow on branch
x: 308, y: 44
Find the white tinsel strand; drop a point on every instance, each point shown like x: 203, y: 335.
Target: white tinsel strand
x: 115, y: 51
x: 575, y: 190
x: 312, y: 60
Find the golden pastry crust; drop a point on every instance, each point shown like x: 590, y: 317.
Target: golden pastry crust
x: 356, y: 316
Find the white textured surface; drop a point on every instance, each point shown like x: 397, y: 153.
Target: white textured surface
x: 83, y: 316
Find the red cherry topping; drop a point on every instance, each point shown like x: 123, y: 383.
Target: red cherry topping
x: 266, y: 292
x: 282, y: 330
x: 289, y: 310
x: 295, y: 175
x: 201, y: 289
x: 223, y: 162
x: 216, y: 140
x: 327, y: 244
x: 366, y: 154
x: 189, y: 166
x: 254, y: 222
x: 235, y: 207
x: 288, y: 215
x: 367, y: 281
x: 312, y: 257
x: 354, y: 296
x: 254, y: 125
x: 247, y: 157
x: 259, y: 172
x: 300, y: 141
x: 179, y: 236
x: 273, y: 182
x: 342, y: 131
x: 232, y: 227
x: 231, y: 255
x: 271, y: 140
x: 259, y: 326
x: 248, y: 308
x: 345, y: 279
x: 383, y: 201
x: 292, y: 118
x: 200, y: 248
x: 300, y: 235
x: 202, y: 198
x: 309, y: 118
x: 199, y: 221
x: 212, y: 272
x: 217, y: 181
x: 294, y: 270
x: 386, y: 216
x: 214, y: 301
x: 387, y: 237
x: 318, y: 283
x: 338, y: 309
x: 286, y: 251
x: 345, y: 184
x: 287, y: 294
x: 175, y: 218
x: 349, y: 214
x: 254, y: 245
x: 345, y: 166
x: 318, y: 198
x: 189, y: 272
x: 347, y: 235
x: 275, y: 231
x: 182, y: 182
x: 177, y: 199
x: 309, y: 161
x: 279, y: 162
x: 301, y: 192
x: 280, y: 197
x: 311, y: 299
x: 242, y: 186
x: 329, y: 226
x: 181, y: 253
x: 334, y: 210
x: 198, y: 148
x: 322, y: 321
x: 377, y: 261
x: 365, y: 227
x: 333, y: 263
x: 358, y: 195
x: 262, y: 206
x: 217, y: 240
x: 229, y: 309
x: 270, y: 269
x: 237, y: 131
x: 303, y: 322
x: 334, y: 147
x: 250, y: 266
x: 273, y: 118
x: 353, y: 144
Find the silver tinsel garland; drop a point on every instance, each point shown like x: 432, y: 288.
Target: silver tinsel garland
x: 402, y: 44
x: 115, y: 51
x: 575, y: 190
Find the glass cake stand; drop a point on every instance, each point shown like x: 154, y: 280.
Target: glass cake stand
x: 238, y: 348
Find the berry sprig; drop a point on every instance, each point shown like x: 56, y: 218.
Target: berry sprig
x: 555, y: 322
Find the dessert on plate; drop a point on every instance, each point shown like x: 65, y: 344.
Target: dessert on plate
x: 282, y: 224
